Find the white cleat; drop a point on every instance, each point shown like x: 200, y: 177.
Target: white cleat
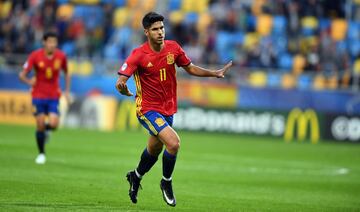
x: 40, y: 159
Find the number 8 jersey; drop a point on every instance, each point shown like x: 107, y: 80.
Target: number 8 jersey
x: 47, y: 71
x: 155, y: 76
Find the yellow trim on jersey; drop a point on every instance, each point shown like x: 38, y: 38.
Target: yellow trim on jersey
x: 138, y: 93
x: 138, y: 103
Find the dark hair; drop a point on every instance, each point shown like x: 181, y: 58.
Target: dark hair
x: 49, y: 35
x: 151, y: 18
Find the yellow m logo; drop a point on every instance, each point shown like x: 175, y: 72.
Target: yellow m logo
x: 303, y: 119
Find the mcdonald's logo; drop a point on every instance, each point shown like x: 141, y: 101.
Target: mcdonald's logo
x: 303, y: 121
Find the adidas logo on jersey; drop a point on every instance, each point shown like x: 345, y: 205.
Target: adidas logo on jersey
x: 149, y: 65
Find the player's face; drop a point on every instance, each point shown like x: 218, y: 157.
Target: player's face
x: 50, y: 44
x: 156, y: 32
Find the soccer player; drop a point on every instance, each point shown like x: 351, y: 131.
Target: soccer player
x: 45, y: 89
x: 153, y: 67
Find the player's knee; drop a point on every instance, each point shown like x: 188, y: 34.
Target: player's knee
x: 174, y: 147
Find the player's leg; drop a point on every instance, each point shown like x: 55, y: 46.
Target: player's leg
x: 53, y: 118
x: 53, y: 110
x: 149, y: 156
x: 40, y: 138
x: 172, y: 144
x: 147, y: 160
x: 53, y: 122
x: 40, y: 109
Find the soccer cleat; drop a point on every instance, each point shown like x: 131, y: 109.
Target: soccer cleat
x: 40, y: 159
x: 167, y: 192
x: 134, y: 182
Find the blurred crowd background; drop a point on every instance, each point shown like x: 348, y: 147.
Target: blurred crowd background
x: 304, y: 44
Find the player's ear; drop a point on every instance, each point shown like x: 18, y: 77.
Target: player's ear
x: 146, y: 32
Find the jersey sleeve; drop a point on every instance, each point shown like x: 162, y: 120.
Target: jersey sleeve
x: 182, y: 59
x: 64, y: 65
x: 29, y: 63
x: 130, y: 65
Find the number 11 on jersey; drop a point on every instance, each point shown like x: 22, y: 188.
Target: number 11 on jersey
x: 162, y: 74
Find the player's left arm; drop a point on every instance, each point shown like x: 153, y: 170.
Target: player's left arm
x: 203, y: 72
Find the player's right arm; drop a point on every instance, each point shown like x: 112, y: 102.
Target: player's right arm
x: 26, y: 69
x: 122, y: 87
x: 126, y: 70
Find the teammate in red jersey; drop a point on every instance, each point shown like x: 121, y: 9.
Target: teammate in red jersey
x: 47, y: 63
x: 153, y: 67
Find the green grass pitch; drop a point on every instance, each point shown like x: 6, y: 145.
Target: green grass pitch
x: 85, y: 171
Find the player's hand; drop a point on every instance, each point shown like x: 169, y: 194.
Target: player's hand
x: 123, y: 89
x: 221, y: 73
x: 32, y: 81
x: 67, y: 98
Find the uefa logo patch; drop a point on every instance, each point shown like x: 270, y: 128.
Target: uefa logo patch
x: 123, y: 67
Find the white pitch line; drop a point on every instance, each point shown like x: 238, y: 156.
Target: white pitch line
x: 330, y: 171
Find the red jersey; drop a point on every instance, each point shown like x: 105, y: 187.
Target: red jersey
x: 155, y: 76
x: 47, y: 71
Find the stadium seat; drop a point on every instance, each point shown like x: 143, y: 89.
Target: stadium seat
x: 299, y: 63
x: 197, y: 6
x: 60, y: 2
x: 353, y: 32
x: 137, y: 16
x: 5, y: 9
x: 191, y: 18
x: 274, y: 79
x: 223, y: 45
x: 148, y: 5
x: 69, y: 48
x: 288, y: 81
x: 65, y: 11
x: 250, y: 40
x: 285, y: 62
x: 251, y: 23
x: 332, y: 82
x: 131, y: 4
x: 120, y: 17
x: 324, y: 24
x: 280, y: 43
x: 111, y: 51
x: 238, y: 38
x: 204, y: 21
x: 341, y: 46
x: 85, y: 1
x: 354, y: 47
x: 304, y: 82
x: 319, y: 82
x: 356, y: 67
x: 264, y: 24
x: 279, y: 25
x: 120, y: 3
x: 309, y: 25
x: 174, y: 5
x: 338, y: 29
x: 176, y: 16
x: 258, y: 79
x: 85, y: 68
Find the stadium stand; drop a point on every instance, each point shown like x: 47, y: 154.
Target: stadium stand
x: 294, y: 38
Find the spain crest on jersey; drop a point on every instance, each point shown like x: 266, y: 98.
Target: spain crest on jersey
x: 170, y: 59
x: 57, y: 64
